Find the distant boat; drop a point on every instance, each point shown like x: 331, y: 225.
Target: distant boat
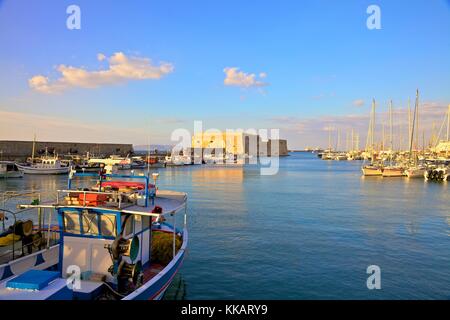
x: 393, y: 171
x: 9, y: 169
x: 415, y: 172
x: 46, y: 165
x: 372, y: 170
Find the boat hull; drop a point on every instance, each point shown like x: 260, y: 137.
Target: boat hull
x: 393, y: 172
x: 372, y: 171
x: 157, y: 286
x: 415, y: 173
x: 43, y: 171
x: 11, y: 174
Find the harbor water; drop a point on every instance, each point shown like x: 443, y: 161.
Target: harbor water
x: 308, y: 232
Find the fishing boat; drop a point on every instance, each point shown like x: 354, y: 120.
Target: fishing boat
x: 113, y: 241
x: 45, y: 166
x: 9, y: 169
x: 120, y: 163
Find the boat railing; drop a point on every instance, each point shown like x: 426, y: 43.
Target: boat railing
x: 114, y: 199
x: 41, y: 235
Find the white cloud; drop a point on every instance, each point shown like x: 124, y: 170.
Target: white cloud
x: 121, y: 69
x: 101, y: 57
x: 234, y: 77
x: 358, y: 102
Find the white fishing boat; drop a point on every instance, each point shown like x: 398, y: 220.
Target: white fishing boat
x: 9, y: 169
x: 45, y: 166
x: 117, y: 240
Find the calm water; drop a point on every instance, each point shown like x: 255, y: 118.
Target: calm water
x: 308, y: 232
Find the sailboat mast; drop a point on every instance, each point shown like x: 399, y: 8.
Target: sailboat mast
x: 409, y: 120
x: 373, y: 125
x: 448, y: 123
x: 391, y: 134
x: 413, y: 126
x: 417, y: 120
x: 33, y: 149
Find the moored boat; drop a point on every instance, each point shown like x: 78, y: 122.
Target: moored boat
x: 393, y: 171
x: 9, y: 169
x: 372, y: 170
x: 45, y: 166
x: 415, y: 172
x: 114, y: 243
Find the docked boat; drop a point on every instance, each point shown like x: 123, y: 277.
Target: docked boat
x: 437, y: 174
x: 393, y: 171
x: 372, y: 170
x: 120, y: 163
x: 341, y: 157
x: 416, y: 172
x: 9, y: 169
x: 45, y: 166
x: 113, y: 241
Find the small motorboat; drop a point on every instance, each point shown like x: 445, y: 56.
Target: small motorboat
x: 9, y: 169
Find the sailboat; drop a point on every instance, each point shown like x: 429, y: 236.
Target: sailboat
x: 392, y: 170
x: 415, y: 170
x: 373, y: 169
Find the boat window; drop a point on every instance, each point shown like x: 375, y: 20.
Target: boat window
x: 90, y: 223
x: 145, y: 222
x: 129, y: 224
x: 72, y: 222
x: 108, y: 225
x: 138, y: 224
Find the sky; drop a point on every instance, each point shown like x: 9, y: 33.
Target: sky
x: 137, y: 70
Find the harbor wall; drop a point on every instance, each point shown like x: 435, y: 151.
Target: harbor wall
x: 20, y: 150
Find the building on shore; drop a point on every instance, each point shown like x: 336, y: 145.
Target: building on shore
x: 21, y: 150
x: 443, y: 147
x: 239, y: 144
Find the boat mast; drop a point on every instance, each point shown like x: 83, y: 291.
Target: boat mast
x: 391, y: 136
x: 448, y: 123
x: 33, y: 149
x: 413, y: 127
x: 409, y: 121
x: 417, y: 120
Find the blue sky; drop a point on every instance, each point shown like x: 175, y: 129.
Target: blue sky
x: 319, y: 58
